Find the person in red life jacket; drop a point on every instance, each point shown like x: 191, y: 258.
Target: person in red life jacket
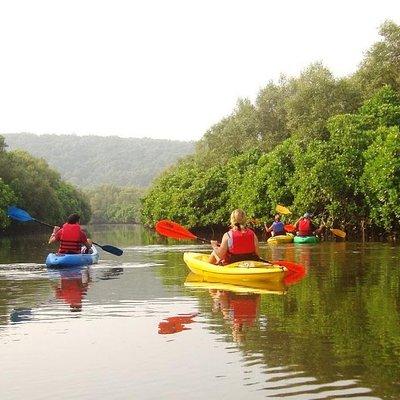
x: 71, y: 236
x: 305, y: 227
x: 238, y: 244
x: 277, y: 228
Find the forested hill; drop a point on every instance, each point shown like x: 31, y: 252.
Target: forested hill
x: 94, y: 160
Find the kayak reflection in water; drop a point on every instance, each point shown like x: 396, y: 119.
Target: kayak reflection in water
x: 175, y: 324
x: 73, y: 287
x: 240, y: 309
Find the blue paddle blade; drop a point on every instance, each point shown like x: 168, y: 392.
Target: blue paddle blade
x: 110, y: 249
x: 18, y: 214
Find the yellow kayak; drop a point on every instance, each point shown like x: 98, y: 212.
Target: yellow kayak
x: 245, y: 271
x: 260, y: 287
x: 288, y: 238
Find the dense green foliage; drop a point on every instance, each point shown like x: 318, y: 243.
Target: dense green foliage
x: 112, y: 204
x: 314, y: 143
x: 30, y: 183
x: 90, y: 161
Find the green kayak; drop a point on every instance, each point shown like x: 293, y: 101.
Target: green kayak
x: 306, y: 239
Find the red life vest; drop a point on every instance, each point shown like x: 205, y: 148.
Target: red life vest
x: 70, y: 239
x: 242, y: 242
x: 305, y: 227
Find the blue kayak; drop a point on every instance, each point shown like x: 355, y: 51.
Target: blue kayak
x: 58, y: 260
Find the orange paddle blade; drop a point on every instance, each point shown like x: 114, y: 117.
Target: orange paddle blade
x: 173, y: 230
x: 291, y: 266
x: 338, y: 232
x: 290, y: 228
x: 294, y: 275
x: 282, y: 210
x: 296, y: 272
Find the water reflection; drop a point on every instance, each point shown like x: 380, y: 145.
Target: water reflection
x: 19, y: 315
x: 331, y: 334
x: 238, y: 309
x: 239, y: 302
x: 175, y: 324
x: 259, y: 287
x: 73, y: 286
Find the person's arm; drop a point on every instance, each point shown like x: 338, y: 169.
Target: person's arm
x: 256, y: 244
x: 270, y: 228
x: 222, y: 249
x: 296, y: 224
x: 55, y: 236
x: 85, y: 241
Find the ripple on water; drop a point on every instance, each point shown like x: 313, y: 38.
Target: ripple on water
x: 168, y: 248
x: 56, y: 310
x: 306, y: 387
x: 126, y: 265
x: 22, y: 271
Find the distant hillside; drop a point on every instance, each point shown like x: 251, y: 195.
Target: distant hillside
x: 95, y: 160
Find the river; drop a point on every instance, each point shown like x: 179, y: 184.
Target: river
x: 138, y: 327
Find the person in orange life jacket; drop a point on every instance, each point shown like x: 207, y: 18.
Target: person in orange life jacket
x: 277, y: 228
x: 71, y: 236
x: 305, y: 227
x: 239, y: 244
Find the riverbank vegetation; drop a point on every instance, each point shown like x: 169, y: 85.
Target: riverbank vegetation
x: 113, y: 204
x: 31, y: 184
x: 314, y: 143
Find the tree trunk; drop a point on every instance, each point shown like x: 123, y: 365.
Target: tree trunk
x: 363, y: 230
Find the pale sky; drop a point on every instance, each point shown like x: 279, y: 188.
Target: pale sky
x: 165, y: 69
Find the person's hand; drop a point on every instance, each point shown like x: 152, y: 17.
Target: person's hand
x: 56, y: 229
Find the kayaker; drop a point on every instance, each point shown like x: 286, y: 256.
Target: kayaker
x: 305, y: 227
x: 71, y: 236
x: 238, y: 244
x: 277, y: 228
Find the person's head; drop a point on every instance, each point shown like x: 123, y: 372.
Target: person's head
x: 307, y: 215
x: 238, y: 218
x: 277, y: 217
x: 73, y: 218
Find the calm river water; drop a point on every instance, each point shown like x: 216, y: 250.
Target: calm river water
x: 131, y: 328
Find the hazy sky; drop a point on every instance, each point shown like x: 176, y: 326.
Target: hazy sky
x: 165, y: 68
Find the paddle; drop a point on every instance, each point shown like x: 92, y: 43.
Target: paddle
x: 290, y: 228
x: 338, y: 232
x: 173, y: 230
x: 22, y: 216
x: 282, y: 210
